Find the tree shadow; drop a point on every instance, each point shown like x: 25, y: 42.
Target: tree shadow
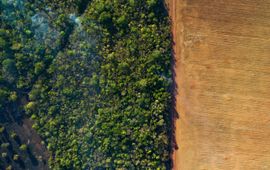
x: 18, y: 140
x: 32, y: 157
x: 21, y: 163
x: 174, y: 115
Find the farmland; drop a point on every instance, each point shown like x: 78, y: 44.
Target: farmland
x: 222, y: 78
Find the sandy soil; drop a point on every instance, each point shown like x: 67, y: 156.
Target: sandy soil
x: 222, y: 68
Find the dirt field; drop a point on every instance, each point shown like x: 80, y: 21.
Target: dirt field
x: 222, y: 53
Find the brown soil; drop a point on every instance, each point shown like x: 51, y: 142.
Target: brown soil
x: 36, y: 154
x: 222, y: 75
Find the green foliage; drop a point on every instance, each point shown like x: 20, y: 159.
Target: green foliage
x: 122, y: 21
x: 4, y: 155
x: 96, y: 84
x: 2, y: 43
x: 30, y: 107
x: 151, y: 3
x: 16, y: 157
x: 5, y: 145
x: 2, y: 129
x: 13, y: 96
x: 9, y: 70
x: 39, y: 67
x: 4, y: 93
x: 13, y: 135
x: 23, y: 147
x: 9, y: 167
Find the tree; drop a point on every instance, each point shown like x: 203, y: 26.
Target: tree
x: 13, y: 96
x: 23, y: 147
x: 16, y: 157
x: 2, y: 43
x: 105, y: 17
x: 151, y: 3
x: 4, y: 155
x: 9, y: 70
x: 122, y: 21
x: 39, y: 66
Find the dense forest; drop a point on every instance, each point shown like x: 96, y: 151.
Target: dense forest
x: 94, y: 77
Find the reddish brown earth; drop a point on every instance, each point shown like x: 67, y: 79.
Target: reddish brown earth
x: 222, y: 74
x: 35, y: 156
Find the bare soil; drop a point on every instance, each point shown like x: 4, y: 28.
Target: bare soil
x: 222, y: 77
x: 36, y: 154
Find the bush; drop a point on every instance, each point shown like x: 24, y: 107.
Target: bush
x: 30, y: 106
x: 5, y: 145
x: 2, y: 129
x: 23, y: 147
x: 9, y: 70
x: 4, y: 155
x: 13, y: 96
x: 16, y: 157
x: 9, y: 167
x: 13, y: 135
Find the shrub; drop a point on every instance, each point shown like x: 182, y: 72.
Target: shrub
x: 2, y: 129
x: 5, y: 145
x: 13, y: 96
x: 4, y: 155
x: 13, y: 135
x: 23, y: 147
x: 9, y: 70
x: 16, y: 157
x: 9, y: 167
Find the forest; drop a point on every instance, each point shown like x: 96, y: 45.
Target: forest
x: 93, y: 77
